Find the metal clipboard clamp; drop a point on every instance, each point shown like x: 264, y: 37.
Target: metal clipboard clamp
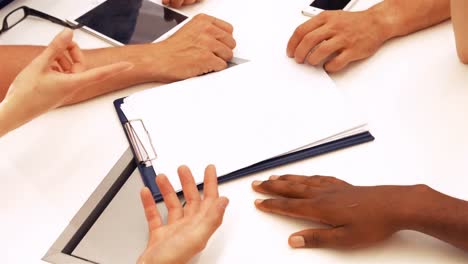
x: 142, y: 146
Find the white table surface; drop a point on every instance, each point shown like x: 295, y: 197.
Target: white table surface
x: 414, y: 92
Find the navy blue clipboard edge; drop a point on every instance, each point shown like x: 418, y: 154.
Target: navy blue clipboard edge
x: 149, y: 175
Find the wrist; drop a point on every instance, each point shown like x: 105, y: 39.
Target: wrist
x: 149, y: 62
x: 416, y: 210
x: 386, y: 20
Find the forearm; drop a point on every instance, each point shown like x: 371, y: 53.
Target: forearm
x: 402, y: 17
x: 459, y: 11
x: 14, y: 59
x: 145, y: 70
x: 438, y: 215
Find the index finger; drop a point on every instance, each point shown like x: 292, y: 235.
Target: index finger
x: 316, y: 180
x: 77, y: 57
x: 297, y: 208
x: 288, y: 189
x: 55, y: 48
x: 176, y: 3
x: 302, y: 30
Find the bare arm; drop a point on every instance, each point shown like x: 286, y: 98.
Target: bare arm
x: 203, y: 45
x: 339, y: 37
x: 401, y: 17
x: 20, y: 56
x: 42, y: 85
x: 459, y: 9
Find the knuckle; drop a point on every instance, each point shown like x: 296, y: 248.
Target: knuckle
x: 267, y: 185
x: 206, y: 57
x: 230, y: 55
x: 300, y: 30
x: 327, y: 179
x: 208, y: 29
x: 229, y: 26
x: 297, y: 188
x: 268, y: 203
x: 286, y: 177
x: 422, y: 188
x: 199, y: 246
x: 223, y: 65
x: 319, y: 201
x: 314, y: 240
x: 218, y: 221
x: 201, y: 16
x: 325, y: 15
x: 334, y: 65
x: 348, y: 41
x: 207, y: 41
x: 309, y: 39
x: 308, y: 189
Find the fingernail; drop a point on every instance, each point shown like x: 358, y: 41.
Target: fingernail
x: 256, y: 183
x: 274, y: 177
x: 297, y: 241
x: 258, y: 201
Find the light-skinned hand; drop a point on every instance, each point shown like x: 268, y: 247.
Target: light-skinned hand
x: 340, y: 37
x: 48, y: 81
x: 188, y: 228
x: 205, y: 44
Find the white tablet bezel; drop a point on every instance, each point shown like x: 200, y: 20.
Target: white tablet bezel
x: 114, y: 42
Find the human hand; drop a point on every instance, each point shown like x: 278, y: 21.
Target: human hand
x: 189, y: 228
x: 179, y: 3
x: 358, y: 216
x: 339, y: 36
x: 51, y: 78
x: 201, y: 46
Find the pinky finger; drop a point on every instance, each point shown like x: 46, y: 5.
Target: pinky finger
x: 218, y: 64
x: 64, y: 63
x: 338, y: 63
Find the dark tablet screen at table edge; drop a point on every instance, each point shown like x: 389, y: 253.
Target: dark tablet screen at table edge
x: 330, y: 4
x: 131, y: 21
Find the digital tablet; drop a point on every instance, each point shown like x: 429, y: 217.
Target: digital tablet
x: 123, y: 22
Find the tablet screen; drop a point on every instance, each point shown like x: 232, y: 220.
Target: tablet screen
x: 131, y: 21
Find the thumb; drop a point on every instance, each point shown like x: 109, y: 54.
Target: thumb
x: 99, y: 74
x: 55, y: 48
x: 320, y: 238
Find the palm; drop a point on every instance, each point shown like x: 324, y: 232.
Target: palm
x: 189, y: 228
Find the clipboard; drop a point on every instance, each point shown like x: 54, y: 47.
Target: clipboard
x: 143, y: 156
